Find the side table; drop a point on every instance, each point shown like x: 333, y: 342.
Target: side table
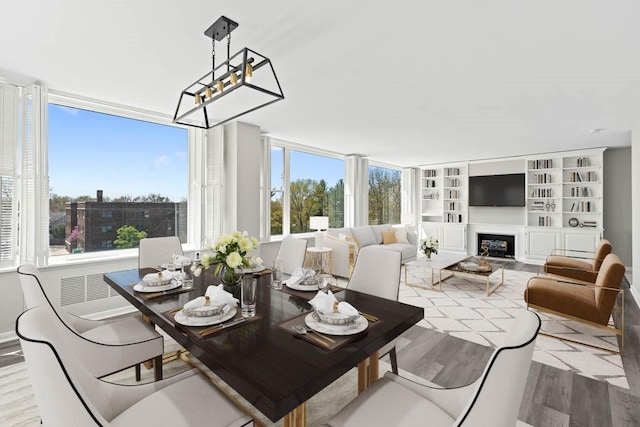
x: 320, y: 259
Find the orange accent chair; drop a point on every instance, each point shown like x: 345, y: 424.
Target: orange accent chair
x: 567, y: 262
x: 592, y: 304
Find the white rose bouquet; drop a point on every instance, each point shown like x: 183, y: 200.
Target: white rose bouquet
x: 229, y: 251
x: 429, y: 246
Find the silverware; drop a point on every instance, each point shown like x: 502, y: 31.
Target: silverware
x: 301, y: 330
x: 369, y: 317
x: 213, y: 329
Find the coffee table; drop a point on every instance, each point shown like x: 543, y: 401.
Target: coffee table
x: 435, y: 263
x: 457, y: 268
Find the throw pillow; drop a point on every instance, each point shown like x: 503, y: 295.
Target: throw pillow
x: 364, y: 236
x: 388, y: 237
x: 401, y: 235
x: 377, y: 231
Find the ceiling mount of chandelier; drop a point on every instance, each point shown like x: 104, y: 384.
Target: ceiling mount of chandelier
x: 243, y: 83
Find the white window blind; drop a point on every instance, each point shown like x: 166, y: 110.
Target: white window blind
x: 9, y: 97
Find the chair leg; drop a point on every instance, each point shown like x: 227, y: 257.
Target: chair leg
x: 394, y: 360
x: 137, y: 372
x: 157, y: 368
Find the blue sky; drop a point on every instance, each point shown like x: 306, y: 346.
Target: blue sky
x: 90, y: 151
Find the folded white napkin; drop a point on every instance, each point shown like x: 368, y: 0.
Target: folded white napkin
x: 327, y: 303
x: 217, y: 297
x: 299, y: 275
x: 157, y: 277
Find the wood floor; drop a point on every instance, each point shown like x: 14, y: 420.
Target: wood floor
x: 552, y: 397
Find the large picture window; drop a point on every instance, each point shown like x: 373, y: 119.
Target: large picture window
x: 315, y: 187
x: 384, y: 195
x: 113, y: 180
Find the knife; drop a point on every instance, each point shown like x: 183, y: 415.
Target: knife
x: 217, y: 328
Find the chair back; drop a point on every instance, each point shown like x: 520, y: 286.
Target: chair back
x: 154, y: 251
x: 604, y: 248
x: 610, y: 276
x: 59, y: 382
x: 35, y: 295
x: 499, y: 391
x: 292, y: 253
x: 377, y: 272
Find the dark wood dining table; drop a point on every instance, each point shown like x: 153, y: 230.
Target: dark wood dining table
x: 275, y: 371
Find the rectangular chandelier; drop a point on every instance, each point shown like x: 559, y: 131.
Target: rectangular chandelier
x: 243, y: 83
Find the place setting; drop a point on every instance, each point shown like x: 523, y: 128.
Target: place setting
x: 332, y: 323
x: 211, y: 313
x: 163, y: 283
x: 305, y: 282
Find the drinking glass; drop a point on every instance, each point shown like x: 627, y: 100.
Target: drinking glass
x: 186, y: 275
x: 328, y: 282
x: 248, y: 295
x: 276, y: 271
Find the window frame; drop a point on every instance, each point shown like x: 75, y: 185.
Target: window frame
x: 287, y: 147
x: 66, y: 100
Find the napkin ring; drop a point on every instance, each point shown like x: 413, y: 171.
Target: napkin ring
x: 335, y: 306
x: 207, y: 300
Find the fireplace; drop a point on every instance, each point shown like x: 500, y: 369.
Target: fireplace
x: 496, y: 245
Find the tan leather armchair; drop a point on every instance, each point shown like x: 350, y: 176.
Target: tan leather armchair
x: 574, y: 264
x: 588, y: 303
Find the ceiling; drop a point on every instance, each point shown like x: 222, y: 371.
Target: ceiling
x: 403, y: 82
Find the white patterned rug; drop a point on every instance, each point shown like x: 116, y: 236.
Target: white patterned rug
x: 463, y: 310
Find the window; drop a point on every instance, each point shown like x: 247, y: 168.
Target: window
x: 107, y: 172
x: 315, y: 187
x: 384, y: 195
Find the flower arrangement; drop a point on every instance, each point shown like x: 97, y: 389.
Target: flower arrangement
x: 230, y: 251
x: 429, y: 246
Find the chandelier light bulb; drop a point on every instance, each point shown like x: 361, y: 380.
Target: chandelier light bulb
x: 198, y: 99
x: 209, y: 92
x: 220, y: 86
x: 233, y: 78
x: 248, y: 72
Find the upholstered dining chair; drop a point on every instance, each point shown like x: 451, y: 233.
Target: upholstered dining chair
x: 154, y: 251
x: 67, y: 394
x: 378, y: 273
x: 492, y: 400
x: 590, y: 304
x: 103, y: 346
x: 575, y: 264
x: 292, y: 252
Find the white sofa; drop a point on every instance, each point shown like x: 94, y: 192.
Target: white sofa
x: 347, y: 242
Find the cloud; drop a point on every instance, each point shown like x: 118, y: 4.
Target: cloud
x: 160, y: 162
x: 69, y: 110
x: 181, y: 154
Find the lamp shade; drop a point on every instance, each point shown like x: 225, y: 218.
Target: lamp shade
x: 318, y: 222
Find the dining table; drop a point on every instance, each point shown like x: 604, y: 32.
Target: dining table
x: 271, y: 366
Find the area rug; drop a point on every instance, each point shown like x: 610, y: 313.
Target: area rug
x: 464, y: 310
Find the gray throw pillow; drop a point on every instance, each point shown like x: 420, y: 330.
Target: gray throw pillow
x: 364, y: 236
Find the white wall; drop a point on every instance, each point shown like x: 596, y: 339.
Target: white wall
x: 635, y: 208
x: 617, y: 201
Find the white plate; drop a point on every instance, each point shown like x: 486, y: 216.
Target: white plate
x: 141, y: 287
x: 299, y: 287
x: 356, y: 327
x: 205, y: 321
x: 253, y: 270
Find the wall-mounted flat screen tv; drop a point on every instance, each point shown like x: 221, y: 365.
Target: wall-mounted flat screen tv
x: 497, y: 190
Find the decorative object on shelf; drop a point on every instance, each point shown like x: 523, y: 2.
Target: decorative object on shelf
x: 319, y: 223
x: 229, y: 256
x: 429, y: 246
x: 245, y: 72
x: 573, y: 222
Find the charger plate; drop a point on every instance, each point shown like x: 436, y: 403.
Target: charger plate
x: 141, y: 287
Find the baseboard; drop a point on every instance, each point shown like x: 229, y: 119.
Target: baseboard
x: 8, y: 336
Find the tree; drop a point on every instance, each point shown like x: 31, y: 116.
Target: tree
x: 128, y: 237
x: 335, y: 205
x: 306, y: 197
x: 276, y: 215
x: 384, y: 196
x: 153, y: 198
x: 58, y: 203
x: 58, y: 231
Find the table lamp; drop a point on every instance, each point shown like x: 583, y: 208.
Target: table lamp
x: 318, y: 223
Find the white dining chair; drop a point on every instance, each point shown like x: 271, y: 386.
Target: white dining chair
x: 154, y: 251
x: 67, y: 394
x: 492, y: 400
x: 377, y: 272
x: 103, y: 346
x: 292, y: 252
